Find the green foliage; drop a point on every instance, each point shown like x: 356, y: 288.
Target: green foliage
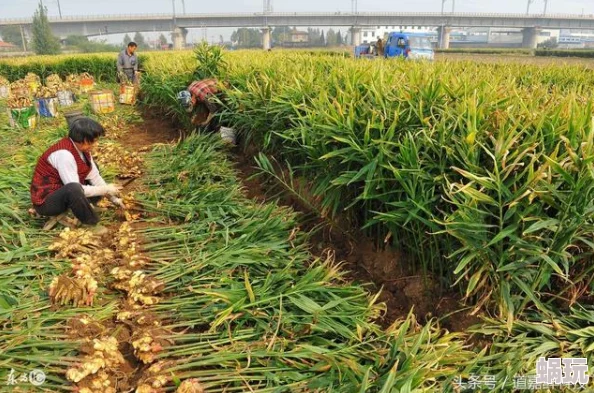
x: 211, y: 62
x: 140, y: 41
x: 44, y: 42
x: 85, y: 45
x: 316, y: 37
x: 247, y: 38
x: 12, y: 34
x: 76, y: 40
x: 326, y: 338
x: 102, y: 67
x: 280, y: 34
x: 481, y: 189
x: 331, y: 38
x: 583, y: 53
x: 551, y: 43
x: 126, y: 40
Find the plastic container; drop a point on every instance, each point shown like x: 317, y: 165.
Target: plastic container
x: 4, y: 92
x: 47, y: 107
x: 65, y: 98
x: 228, y: 135
x: 127, y: 95
x: 23, y: 117
x: 86, y: 84
x: 102, y: 101
x: 72, y: 114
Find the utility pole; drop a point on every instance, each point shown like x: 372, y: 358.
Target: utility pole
x: 184, y: 6
x: 59, y: 9
x: 453, y: 6
x: 545, y: 7
x: 442, y: 5
x: 267, y: 6
x: 174, y: 22
x: 23, y: 38
x: 354, y: 6
x: 528, y: 6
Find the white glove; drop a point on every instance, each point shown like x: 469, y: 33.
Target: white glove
x: 117, y: 201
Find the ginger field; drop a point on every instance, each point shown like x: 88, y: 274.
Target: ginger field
x: 470, y: 181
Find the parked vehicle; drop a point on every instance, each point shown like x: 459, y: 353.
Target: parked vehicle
x: 408, y: 45
x: 366, y: 51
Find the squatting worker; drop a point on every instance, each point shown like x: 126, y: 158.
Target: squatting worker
x: 128, y: 64
x: 203, y: 92
x: 66, y: 176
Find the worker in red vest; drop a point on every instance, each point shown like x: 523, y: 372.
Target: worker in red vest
x: 66, y: 176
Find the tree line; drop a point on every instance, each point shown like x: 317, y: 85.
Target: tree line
x: 282, y: 35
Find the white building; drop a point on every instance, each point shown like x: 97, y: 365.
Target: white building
x: 576, y: 39
x: 370, y: 34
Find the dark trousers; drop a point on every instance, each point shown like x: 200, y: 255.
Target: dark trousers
x: 214, y: 108
x: 71, y: 196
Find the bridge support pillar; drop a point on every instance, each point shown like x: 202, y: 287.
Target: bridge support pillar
x: 179, y: 38
x: 530, y: 37
x: 443, y: 34
x: 355, y: 35
x: 266, y: 40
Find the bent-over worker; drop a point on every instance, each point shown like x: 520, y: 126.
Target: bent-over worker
x: 128, y: 64
x: 206, y: 92
x: 66, y: 177
x: 209, y: 93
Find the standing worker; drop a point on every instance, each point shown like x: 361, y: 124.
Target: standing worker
x: 128, y: 64
x: 205, y: 92
x: 380, y: 46
x: 66, y: 177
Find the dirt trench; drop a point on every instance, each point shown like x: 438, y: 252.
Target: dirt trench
x: 376, y: 269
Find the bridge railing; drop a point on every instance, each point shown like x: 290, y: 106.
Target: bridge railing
x: 115, y: 17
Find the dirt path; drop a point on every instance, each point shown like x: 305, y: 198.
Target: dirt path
x: 151, y: 131
x: 117, y: 352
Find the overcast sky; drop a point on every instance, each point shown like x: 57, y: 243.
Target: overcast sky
x: 25, y: 8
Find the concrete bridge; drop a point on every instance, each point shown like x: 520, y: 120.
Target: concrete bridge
x: 113, y: 24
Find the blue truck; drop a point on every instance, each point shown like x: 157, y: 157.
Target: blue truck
x: 413, y: 46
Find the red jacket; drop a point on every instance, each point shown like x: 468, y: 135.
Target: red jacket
x: 46, y: 178
x: 202, y: 90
